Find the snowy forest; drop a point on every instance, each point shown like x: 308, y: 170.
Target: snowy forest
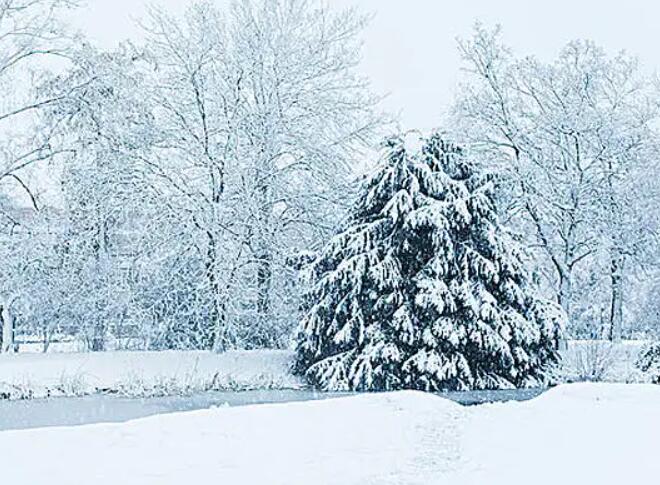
x: 230, y: 180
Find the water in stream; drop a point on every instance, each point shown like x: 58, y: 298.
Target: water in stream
x: 74, y: 411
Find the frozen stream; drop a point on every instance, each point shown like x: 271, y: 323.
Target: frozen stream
x: 73, y: 411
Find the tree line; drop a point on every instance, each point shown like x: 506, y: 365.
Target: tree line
x: 169, y: 193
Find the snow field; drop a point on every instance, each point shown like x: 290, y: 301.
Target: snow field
x: 575, y: 434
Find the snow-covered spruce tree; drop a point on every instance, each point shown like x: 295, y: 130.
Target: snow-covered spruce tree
x: 424, y: 289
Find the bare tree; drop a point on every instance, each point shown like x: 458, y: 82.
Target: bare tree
x: 571, y: 139
x: 232, y: 136
x: 261, y: 113
x: 29, y: 32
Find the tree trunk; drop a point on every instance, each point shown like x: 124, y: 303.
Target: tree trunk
x: 98, y: 338
x: 220, y: 338
x: 565, y: 291
x: 264, y: 259
x: 221, y: 341
x: 615, y: 323
x: 264, y: 284
x: 616, y: 257
x: 46, y: 343
x: 7, y: 330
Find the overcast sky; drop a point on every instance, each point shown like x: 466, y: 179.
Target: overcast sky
x: 410, y: 46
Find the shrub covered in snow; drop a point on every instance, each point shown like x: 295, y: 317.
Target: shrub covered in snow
x: 603, y: 361
x: 649, y: 361
x: 423, y: 288
x: 592, y: 362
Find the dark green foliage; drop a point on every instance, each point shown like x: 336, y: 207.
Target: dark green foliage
x: 423, y: 288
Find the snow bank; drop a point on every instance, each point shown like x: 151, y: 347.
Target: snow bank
x: 24, y: 376
x: 574, y: 435
x: 369, y: 439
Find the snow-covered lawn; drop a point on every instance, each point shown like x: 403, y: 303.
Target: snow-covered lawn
x: 142, y: 373
x: 580, y: 434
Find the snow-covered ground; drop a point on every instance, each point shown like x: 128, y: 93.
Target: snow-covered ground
x: 575, y: 434
x: 138, y: 374
x: 142, y: 373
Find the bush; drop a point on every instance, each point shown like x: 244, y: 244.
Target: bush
x: 590, y: 362
x: 649, y: 361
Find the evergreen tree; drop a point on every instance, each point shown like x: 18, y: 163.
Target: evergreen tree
x: 423, y: 288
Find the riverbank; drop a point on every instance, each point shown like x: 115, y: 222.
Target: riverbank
x: 143, y: 374
x: 140, y: 374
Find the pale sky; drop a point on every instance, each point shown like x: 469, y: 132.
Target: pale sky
x: 410, y: 47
